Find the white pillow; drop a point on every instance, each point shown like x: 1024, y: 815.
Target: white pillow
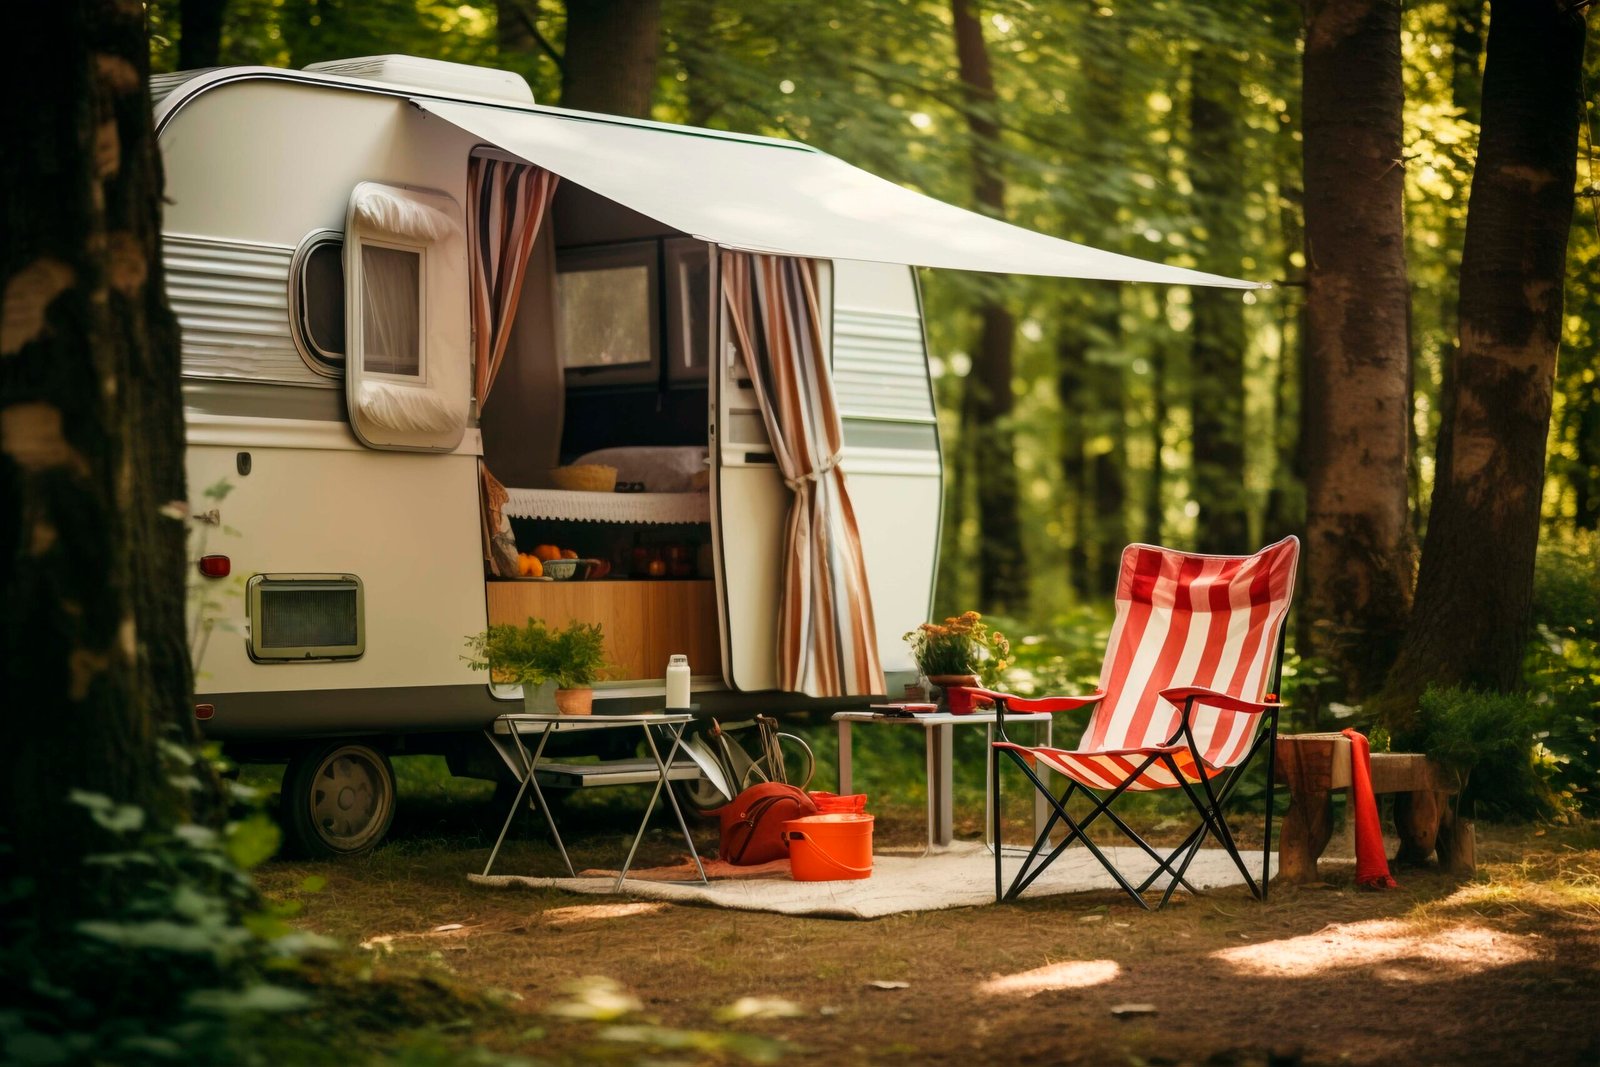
x: 662, y: 469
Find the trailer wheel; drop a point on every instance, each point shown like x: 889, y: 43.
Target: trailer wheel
x: 699, y: 798
x: 337, y: 800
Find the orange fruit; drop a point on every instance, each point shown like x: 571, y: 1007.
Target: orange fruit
x: 544, y: 552
x: 535, y: 568
x: 567, y: 553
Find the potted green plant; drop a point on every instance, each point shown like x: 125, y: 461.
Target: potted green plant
x: 518, y: 654
x: 557, y: 668
x: 579, y: 660
x: 961, y: 651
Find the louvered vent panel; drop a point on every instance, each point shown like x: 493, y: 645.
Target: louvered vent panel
x: 879, y: 370
x: 164, y: 85
x: 232, y: 302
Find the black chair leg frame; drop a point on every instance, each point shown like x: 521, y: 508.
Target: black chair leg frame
x: 1212, y: 821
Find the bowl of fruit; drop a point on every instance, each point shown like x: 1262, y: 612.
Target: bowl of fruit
x: 564, y: 569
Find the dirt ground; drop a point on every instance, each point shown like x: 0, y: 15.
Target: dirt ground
x: 1502, y: 969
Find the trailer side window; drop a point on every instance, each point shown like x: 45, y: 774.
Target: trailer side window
x: 317, y: 289
x: 391, y: 303
x: 408, y: 324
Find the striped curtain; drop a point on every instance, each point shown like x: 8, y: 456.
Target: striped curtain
x: 506, y: 203
x: 827, y: 640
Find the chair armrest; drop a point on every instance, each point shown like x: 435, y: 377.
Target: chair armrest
x: 1181, y: 696
x: 1036, y: 705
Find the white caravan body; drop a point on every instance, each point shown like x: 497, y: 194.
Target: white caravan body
x: 263, y: 167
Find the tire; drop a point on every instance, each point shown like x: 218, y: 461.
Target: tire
x: 337, y: 800
x: 698, y: 797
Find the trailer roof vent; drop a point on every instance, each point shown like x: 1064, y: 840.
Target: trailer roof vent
x: 454, y: 79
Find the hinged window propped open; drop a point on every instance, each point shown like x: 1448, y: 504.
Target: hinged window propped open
x: 408, y: 376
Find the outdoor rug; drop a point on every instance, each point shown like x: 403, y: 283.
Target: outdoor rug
x: 957, y: 877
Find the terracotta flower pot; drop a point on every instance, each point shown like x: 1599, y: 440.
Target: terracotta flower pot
x: 575, y: 701
x: 959, y: 702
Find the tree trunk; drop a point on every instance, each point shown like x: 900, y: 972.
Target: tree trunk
x: 513, y: 30
x: 609, y: 63
x: 696, y: 19
x: 1003, y: 585
x: 1286, y: 504
x: 1356, y: 406
x: 200, y: 33
x: 1217, y: 384
x: 1474, y: 588
x: 1071, y: 358
x: 1107, y: 385
x: 91, y: 445
x: 1155, y: 503
x: 956, y: 585
x: 1466, y: 57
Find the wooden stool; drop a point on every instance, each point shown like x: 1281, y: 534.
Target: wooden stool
x: 1314, y: 765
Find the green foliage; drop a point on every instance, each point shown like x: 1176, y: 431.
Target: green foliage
x: 1566, y: 583
x: 579, y: 655
x: 1563, y: 665
x: 622, y: 1033
x: 962, y: 644
x: 176, y: 950
x: 1061, y: 655
x: 1488, y: 740
x: 573, y: 656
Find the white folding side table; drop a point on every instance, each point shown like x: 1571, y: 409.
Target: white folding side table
x: 515, y: 726
x: 939, y: 731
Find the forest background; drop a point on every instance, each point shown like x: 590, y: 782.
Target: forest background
x: 1395, y: 399
x: 1080, y: 416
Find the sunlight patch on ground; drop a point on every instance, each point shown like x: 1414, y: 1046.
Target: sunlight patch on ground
x: 385, y: 942
x: 1564, y: 882
x: 1377, y: 942
x: 583, y: 913
x: 1069, y: 974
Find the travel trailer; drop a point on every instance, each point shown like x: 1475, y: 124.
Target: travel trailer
x: 358, y: 251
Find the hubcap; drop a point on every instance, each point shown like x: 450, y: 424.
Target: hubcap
x: 350, y: 799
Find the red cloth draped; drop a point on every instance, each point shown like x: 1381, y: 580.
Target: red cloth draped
x: 1372, y: 867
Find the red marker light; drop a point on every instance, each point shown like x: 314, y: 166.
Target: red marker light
x: 215, y: 566
x: 204, y: 711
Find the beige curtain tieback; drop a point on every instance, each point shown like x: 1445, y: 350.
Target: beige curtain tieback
x: 796, y: 484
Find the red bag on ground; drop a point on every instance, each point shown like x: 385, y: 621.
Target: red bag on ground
x: 752, y: 824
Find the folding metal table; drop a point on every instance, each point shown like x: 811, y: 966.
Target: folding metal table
x: 515, y: 726
x: 939, y: 729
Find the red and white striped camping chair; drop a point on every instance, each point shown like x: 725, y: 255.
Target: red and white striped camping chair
x: 1183, y: 703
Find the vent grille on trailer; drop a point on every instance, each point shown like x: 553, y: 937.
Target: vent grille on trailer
x: 879, y: 368
x: 306, y: 617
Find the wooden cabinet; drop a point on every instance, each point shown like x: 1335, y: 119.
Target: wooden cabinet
x: 644, y: 621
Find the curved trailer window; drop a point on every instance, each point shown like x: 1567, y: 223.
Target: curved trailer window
x: 317, y: 285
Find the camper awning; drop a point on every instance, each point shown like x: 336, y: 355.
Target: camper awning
x: 761, y: 195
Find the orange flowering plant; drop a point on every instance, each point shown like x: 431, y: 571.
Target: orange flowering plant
x: 962, y: 644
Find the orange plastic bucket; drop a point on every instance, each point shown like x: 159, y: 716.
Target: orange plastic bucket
x: 829, y: 848
x: 834, y: 804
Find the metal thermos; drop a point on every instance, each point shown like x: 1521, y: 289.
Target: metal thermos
x: 678, y: 682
